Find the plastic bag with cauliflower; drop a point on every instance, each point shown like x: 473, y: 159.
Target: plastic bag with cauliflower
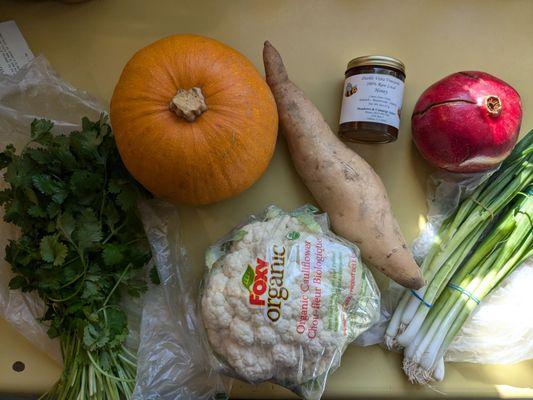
x: 282, y: 298
x: 279, y: 301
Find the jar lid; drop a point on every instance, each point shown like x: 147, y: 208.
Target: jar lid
x: 381, y: 61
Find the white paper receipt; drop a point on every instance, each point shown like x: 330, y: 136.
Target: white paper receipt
x: 14, y: 51
x: 372, y: 98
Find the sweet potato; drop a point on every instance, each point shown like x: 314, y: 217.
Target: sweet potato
x: 343, y: 184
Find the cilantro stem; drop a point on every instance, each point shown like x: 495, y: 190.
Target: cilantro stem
x: 127, y: 361
x: 114, y: 232
x: 116, y: 284
x: 92, y: 386
x: 97, y: 367
x: 76, y: 277
x: 103, y: 192
x: 81, y: 394
x: 129, y: 353
x: 65, y: 298
x: 123, y: 375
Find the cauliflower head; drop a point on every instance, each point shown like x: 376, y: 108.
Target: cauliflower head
x: 283, y: 297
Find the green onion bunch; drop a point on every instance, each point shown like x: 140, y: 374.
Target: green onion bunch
x: 475, y: 249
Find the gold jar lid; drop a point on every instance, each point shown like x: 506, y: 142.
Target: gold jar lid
x: 377, y: 61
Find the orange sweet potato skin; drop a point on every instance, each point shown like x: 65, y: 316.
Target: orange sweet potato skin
x: 343, y: 184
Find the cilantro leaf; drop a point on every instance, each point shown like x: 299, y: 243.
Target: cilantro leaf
x: 136, y: 287
x: 89, y: 230
x: 114, y: 186
x: 5, y: 196
x: 86, y: 144
x: 52, y: 250
x: 52, y: 332
x: 39, y: 155
x: 40, y: 127
x: 118, y: 325
x: 84, y: 182
x: 14, y: 212
x: 154, y: 276
x: 60, y: 150
x: 90, y: 290
x: 53, y: 209
x: 127, y: 198
x: 138, y: 256
x: 17, y: 282
x: 112, y: 254
x: 90, y: 336
x: 51, y: 187
x: 37, y: 212
x: 111, y: 216
x: 7, y: 156
x: 30, y: 194
x: 66, y: 224
x: 19, y: 173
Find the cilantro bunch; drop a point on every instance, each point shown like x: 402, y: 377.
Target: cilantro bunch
x: 81, y: 247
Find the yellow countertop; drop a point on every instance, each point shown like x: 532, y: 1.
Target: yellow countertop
x: 89, y: 43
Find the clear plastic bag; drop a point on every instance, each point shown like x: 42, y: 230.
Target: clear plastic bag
x: 281, y: 299
x: 172, y: 361
x: 34, y: 92
x: 497, y: 332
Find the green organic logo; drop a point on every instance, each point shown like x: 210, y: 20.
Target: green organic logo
x: 293, y: 235
x: 248, y: 277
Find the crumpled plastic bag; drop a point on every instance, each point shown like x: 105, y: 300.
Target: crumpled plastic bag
x: 499, y: 330
x: 172, y: 361
x: 187, y: 341
x: 35, y: 91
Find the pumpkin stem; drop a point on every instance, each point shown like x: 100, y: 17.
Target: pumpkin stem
x: 188, y: 104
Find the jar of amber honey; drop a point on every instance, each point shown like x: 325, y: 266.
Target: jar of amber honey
x: 372, y: 99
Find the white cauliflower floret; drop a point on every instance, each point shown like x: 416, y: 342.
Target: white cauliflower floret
x: 329, y: 339
x: 235, y: 306
x: 285, y: 354
x: 218, y: 283
x: 232, y: 263
x: 242, y: 332
x: 258, y: 365
x: 213, y: 336
x: 217, y: 310
x: 282, y: 326
x: 266, y: 335
x: 237, y: 296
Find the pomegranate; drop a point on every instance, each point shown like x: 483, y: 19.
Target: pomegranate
x: 467, y: 122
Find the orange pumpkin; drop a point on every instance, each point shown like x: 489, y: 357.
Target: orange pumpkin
x: 193, y: 120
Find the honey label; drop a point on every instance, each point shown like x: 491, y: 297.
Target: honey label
x: 372, y: 98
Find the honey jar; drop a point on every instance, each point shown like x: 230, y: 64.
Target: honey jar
x: 372, y: 100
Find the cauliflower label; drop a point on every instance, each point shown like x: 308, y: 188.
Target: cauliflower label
x: 316, y: 296
x: 259, y: 281
x: 265, y: 283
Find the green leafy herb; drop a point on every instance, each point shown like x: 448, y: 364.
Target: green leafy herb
x: 154, y: 276
x: 81, y: 246
x: 52, y: 250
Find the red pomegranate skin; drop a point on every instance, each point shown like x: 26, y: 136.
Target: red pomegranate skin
x: 467, y: 122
